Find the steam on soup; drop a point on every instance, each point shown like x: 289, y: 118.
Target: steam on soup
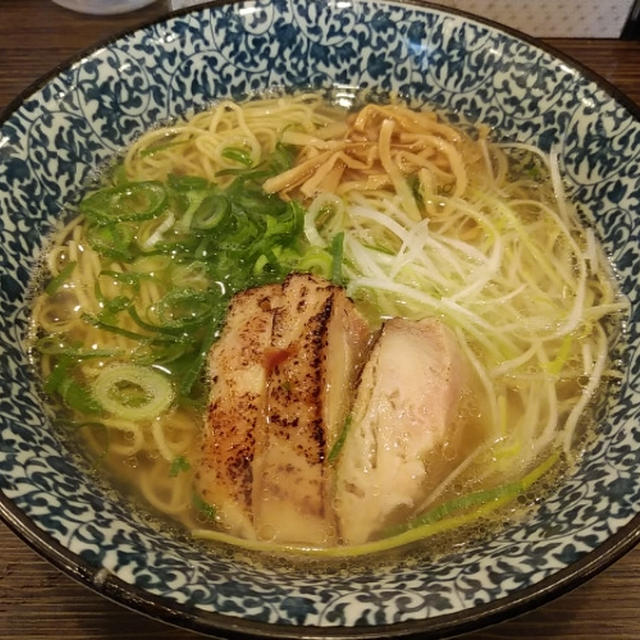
x: 290, y: 326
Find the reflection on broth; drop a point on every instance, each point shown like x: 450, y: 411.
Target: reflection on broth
x: 293, y: 327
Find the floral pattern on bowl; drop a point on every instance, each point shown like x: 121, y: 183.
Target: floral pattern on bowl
x: 57, y: 137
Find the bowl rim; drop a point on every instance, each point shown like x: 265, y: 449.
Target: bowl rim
x: 236, y: 628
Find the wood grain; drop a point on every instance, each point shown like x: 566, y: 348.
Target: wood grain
x: 37, y: 602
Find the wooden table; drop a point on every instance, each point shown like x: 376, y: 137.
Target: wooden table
x: 37, y: 602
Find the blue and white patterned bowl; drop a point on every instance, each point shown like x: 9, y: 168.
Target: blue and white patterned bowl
x: 51, y: 141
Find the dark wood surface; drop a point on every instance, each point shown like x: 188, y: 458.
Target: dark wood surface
x: 38, y: 602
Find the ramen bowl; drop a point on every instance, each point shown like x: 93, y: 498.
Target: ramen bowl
x: 54, y: 139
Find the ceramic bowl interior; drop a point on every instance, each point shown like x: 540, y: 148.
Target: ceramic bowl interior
x: 52, y: 140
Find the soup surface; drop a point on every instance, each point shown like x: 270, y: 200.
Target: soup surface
x: 293, y: 326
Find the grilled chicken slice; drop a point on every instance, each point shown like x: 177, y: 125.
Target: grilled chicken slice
x: 235, y: 420
x: 318, y: 341
x: 404, y: 432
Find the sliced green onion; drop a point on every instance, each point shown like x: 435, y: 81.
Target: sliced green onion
x: 160, y: 354
x: 60, y: 279
x: 315, y: 260
x: 462, y: 503
x: 182, y: 308
x: 111, y: 240
x: 236, y: 154
x: 149, y: 151
x: 127, y: 202
x: 74, y: 394
x: 188, y: 183
x: 340, y: 440
x: 192, y: 372
x: 58, y: 374
x: 174, y: 331
x: 288, y: 223
x: 220, y: 241
x: 260, y: 264
x: 77, y: 396
x: 119, y: 175
x: 111, y: 308
x: 337, y: 252
x: 211, y: 212
x: 243, y: 233
x: 556, y: 365
x: 189, y: 201
x: 100, y: 324
x: 133, y: 392
x: 207, y: 510
x: 56, y: 346
x: 178, y: 464
x: 281, y: 159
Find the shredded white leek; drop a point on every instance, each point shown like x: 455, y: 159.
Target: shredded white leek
x: 512, y: 270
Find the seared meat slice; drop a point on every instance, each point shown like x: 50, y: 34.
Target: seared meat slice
x: 282, y: 376
x: 404, y: 432
x: 235, y: 421
x: 317, y: 344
